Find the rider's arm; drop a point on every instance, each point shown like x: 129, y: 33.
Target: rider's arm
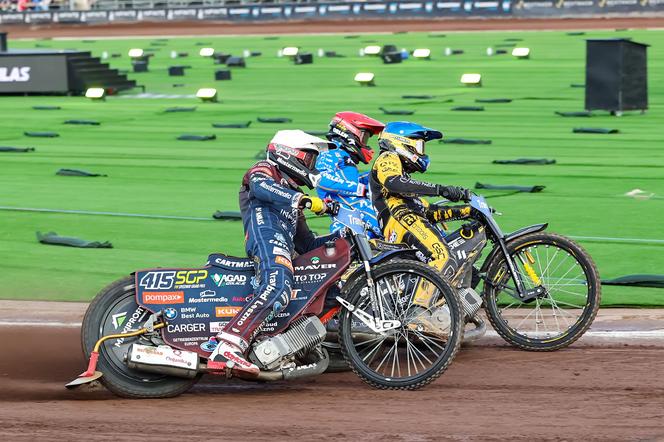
x: 265, y: 188
x: 390, y: 175
x: 337, y: 177
x: 305, y: 240
x: 442, y: 213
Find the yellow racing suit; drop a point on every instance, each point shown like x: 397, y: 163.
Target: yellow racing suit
x: 404, y: 217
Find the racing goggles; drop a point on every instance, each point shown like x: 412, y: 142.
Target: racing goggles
x: 418, y: 146
x: 308, y: 158
x: 364, y: 137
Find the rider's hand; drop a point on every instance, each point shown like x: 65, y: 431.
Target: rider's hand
x: 313, y: 203
x: 332, y: 207
x: 318, y: 206
x: 467, y: 194
x: 454, y: 193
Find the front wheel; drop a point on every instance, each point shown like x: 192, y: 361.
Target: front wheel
x: 566, y: 309
x: 115, y: 311
x: 416, y: 349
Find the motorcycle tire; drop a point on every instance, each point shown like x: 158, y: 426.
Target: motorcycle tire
x: 547, y: 241
x: 109, y: 311
x: 348, y: 331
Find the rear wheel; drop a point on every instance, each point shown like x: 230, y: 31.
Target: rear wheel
x: 426, y: 339
x: 566, y: 310
x: 114, y: 310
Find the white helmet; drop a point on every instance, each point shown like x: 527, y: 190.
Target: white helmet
x: 294, y: 153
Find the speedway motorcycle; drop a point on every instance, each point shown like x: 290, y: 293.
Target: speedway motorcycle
x: 150, y: 335
x: 540, y: 291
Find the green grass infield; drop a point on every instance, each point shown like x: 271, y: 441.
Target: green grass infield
x: 151, y: 172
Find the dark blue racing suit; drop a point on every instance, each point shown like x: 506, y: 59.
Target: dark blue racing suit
x: 274, y: 227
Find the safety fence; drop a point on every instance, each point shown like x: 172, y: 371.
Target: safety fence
x: 332, y: 11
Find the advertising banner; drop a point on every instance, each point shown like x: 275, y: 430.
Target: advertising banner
x: 25, y: 73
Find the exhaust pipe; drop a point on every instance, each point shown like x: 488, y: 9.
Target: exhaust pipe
x: 301, y: 371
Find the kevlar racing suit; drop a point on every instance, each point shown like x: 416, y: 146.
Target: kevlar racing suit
x: 407, y: 218
x: 342, y: 182
x: 274, y: 228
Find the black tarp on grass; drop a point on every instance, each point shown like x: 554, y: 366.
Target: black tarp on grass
x: 656, y: 281
x: 53, y: 238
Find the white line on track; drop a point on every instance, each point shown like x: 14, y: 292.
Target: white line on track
x: 609, y: 334
x: 20, y: 323
x: 193, y: 218
x: 612, y: 334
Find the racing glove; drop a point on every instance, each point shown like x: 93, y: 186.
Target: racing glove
x: 318, y: 206
x: 453, y: 193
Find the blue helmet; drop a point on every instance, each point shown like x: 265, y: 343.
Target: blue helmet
x: 407, y: 140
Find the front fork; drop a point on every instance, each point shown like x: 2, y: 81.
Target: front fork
x: 377, y: 324
x: 522, y: 293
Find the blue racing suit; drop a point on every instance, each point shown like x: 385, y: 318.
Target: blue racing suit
x: 342, y: 182
x: 274, y: 228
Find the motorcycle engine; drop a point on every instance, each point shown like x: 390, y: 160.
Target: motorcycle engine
x: 303, y: 335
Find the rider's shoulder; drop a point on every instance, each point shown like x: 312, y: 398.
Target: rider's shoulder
x: 386, y: 157
x: 263, y: 167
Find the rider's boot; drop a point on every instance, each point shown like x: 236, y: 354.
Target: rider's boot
x: 230, y: 354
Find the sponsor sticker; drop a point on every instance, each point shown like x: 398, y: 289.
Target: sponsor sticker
x: 284, y: 262
x: 209, y: 345
x: 119, y: 319
x: 163, y: 297
x: 229, y: 279
x: 170, y: 313
x: 217, y: 326
x: 185, y: 328
x: 226, y: 311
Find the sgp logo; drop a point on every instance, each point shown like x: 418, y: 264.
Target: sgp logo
x: 14, y: 74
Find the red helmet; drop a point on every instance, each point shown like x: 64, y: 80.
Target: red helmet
x: 351, y: 131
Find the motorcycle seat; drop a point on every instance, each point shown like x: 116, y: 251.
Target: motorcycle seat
x: 230, y: 262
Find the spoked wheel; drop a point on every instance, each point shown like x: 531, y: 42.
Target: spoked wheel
x: 115, y: 311
x: 426, y: 339
x: 567, y: 308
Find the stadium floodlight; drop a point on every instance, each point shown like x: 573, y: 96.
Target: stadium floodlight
x: 290, y: 51
x: 471, y: 79
x: 422, y: 53
x: 96, y: 93
x: 365, y: 78
x: 372, y: 50
x: 206, y: 52
x: 136, y: 53
x: 207, y: 94
x: 521, y: 52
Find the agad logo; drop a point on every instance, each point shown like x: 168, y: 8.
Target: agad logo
x: 14, y: 74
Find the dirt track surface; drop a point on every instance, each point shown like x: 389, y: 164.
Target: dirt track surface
x: 311, y: 26
x: 489, y: 393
